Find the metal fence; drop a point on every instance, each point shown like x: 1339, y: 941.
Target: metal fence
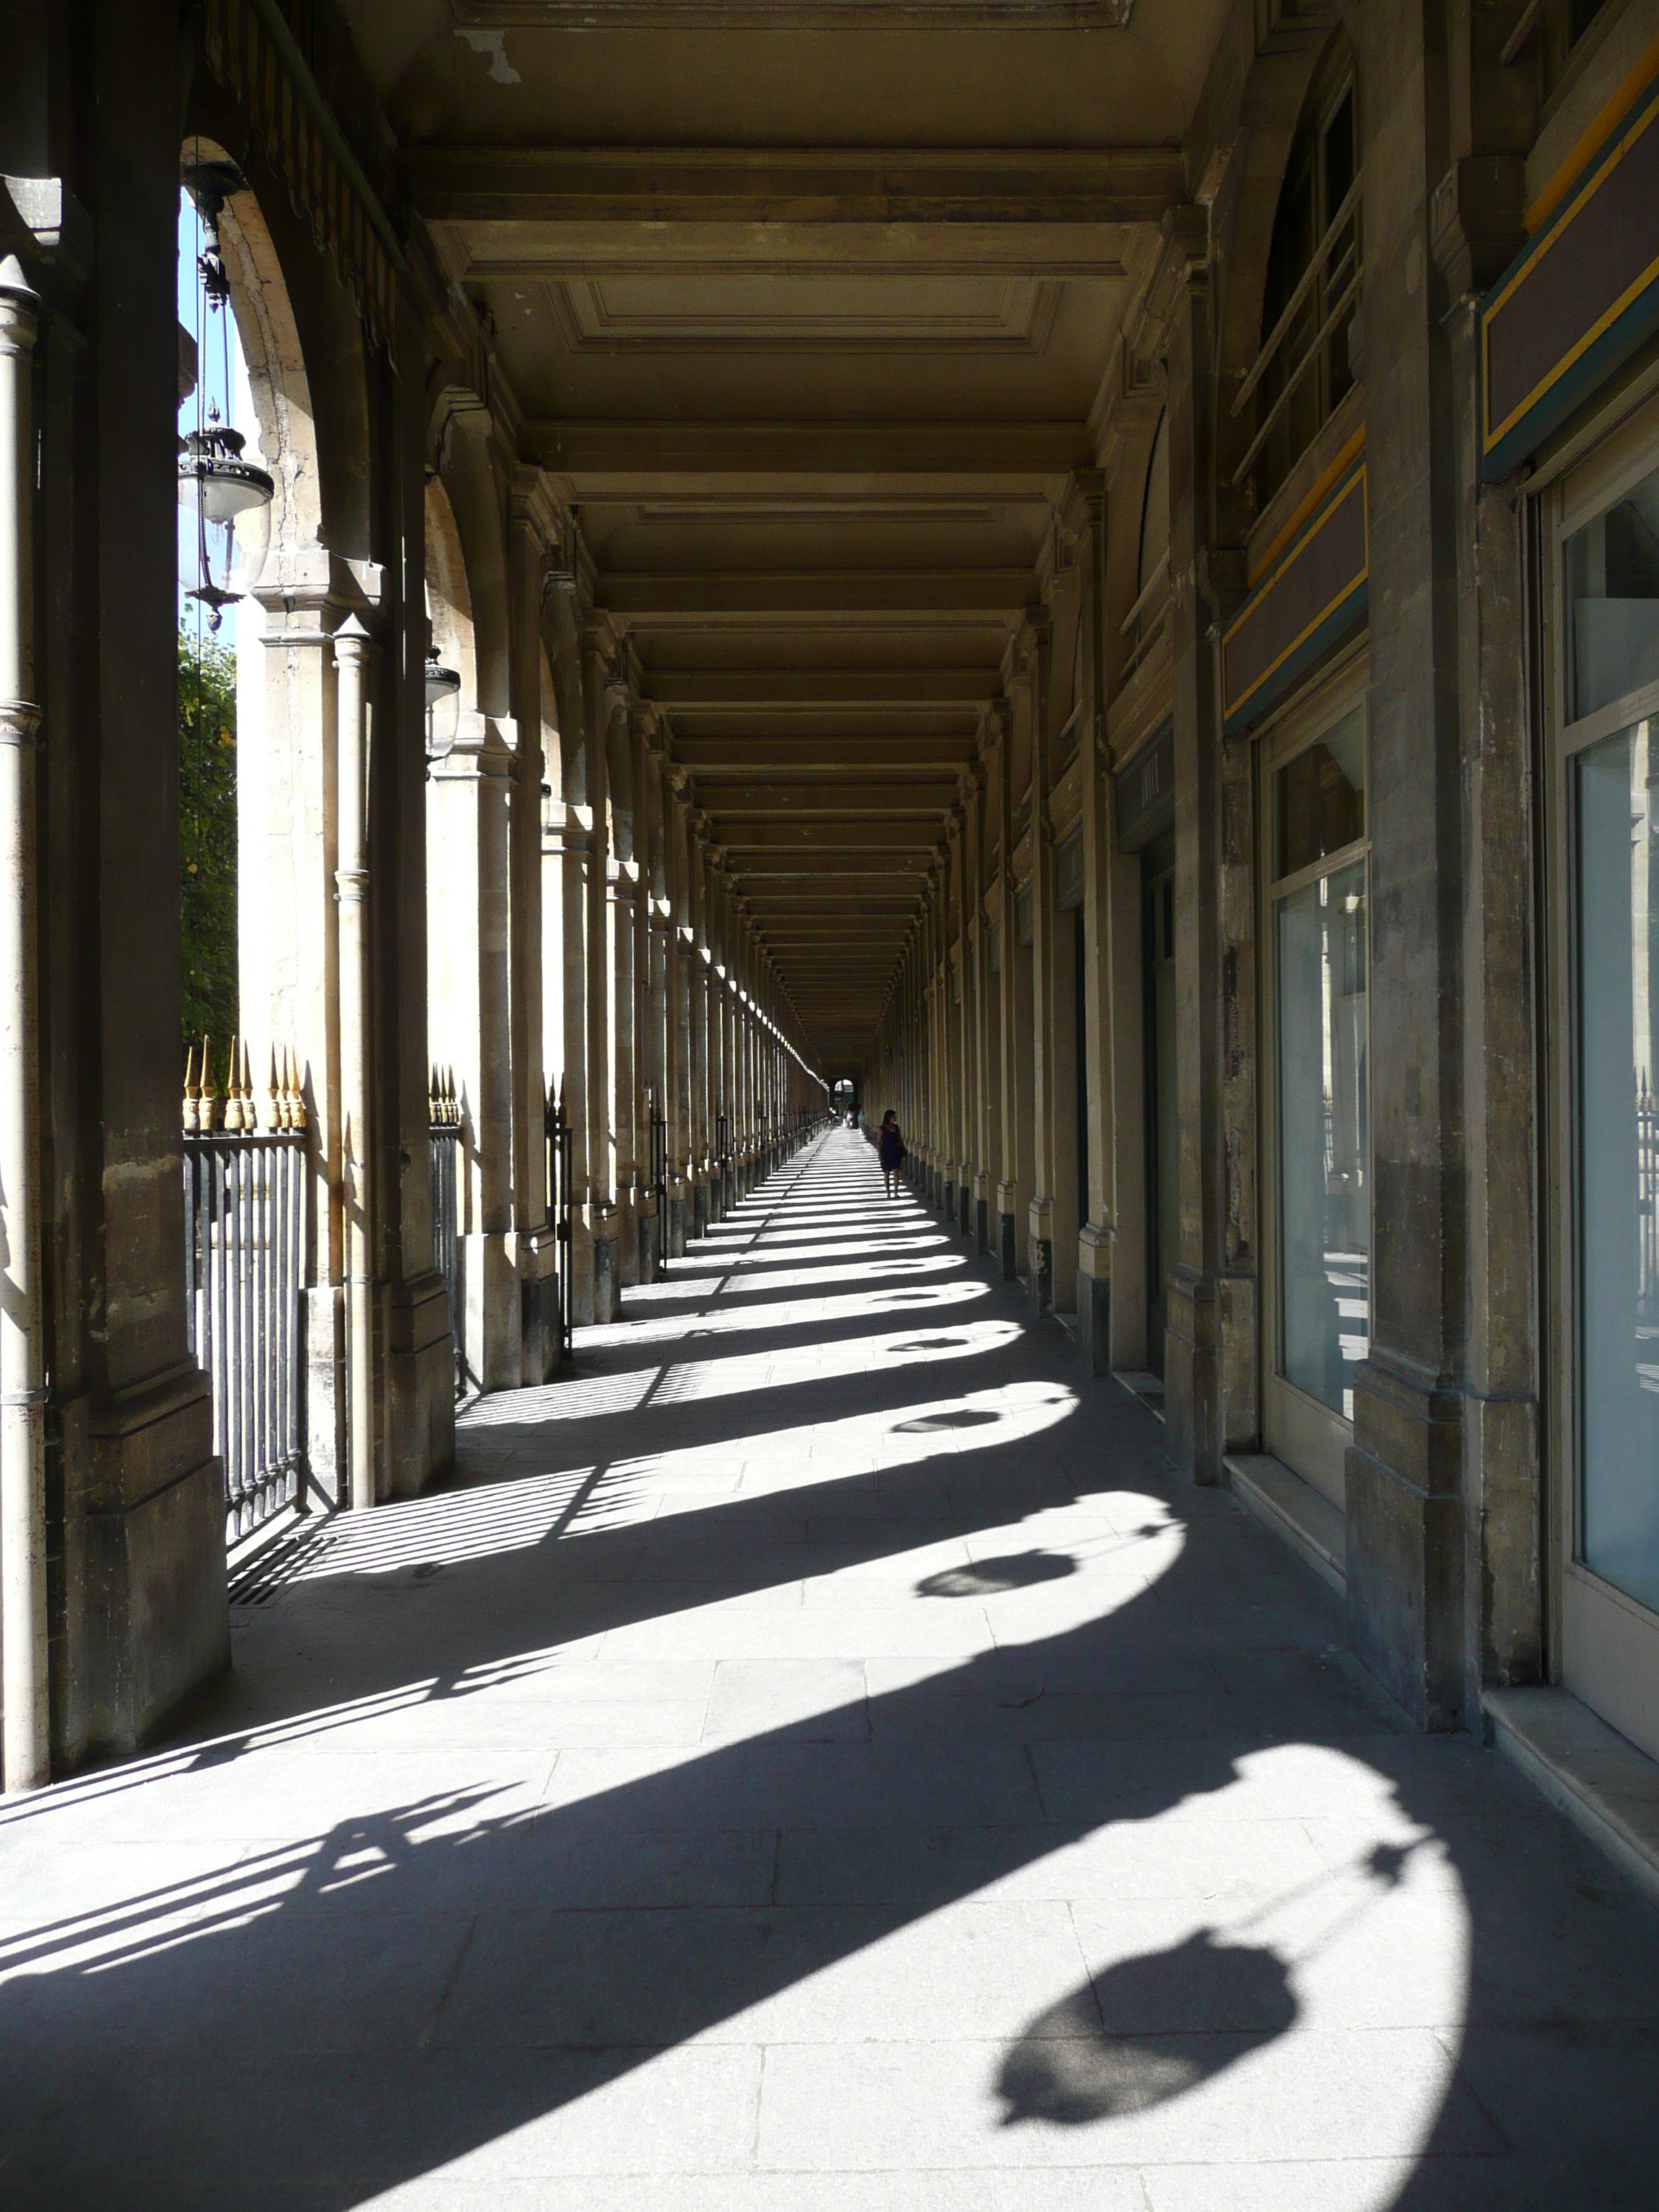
x: 245, y: 1244
x: 448, y: 1253
x: 560, y: 1155
x: 659, y: 1181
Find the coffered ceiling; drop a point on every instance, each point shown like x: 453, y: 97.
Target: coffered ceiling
x: 808, y: 310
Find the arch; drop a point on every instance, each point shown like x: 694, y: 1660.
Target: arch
x: 1274, y: 99
x: 1154, y: 543
x: 477, y: 551
x: 619, y: 773
x: 449, y: 593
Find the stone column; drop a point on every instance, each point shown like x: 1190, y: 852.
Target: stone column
x: 598, y: 647
x: 677, y: 1015
x: 719, y: 1196
x: 1034, y: 648
x: 1085, y: 519
x: 1404, y: 1516
x: 622, y: 876
x: 954, y: 978
x: 470, y: 1024
x: 697, y: 1013
x: 567, y: 854
x: 985, y: 1102
x: 533, y: 1248
x: 648, y: 1071
x: 1210, y: 1349
x: 999, y: 793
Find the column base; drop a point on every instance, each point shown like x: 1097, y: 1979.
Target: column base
x: 626, y: 1237
x: 1040, y: 1273
x: 983, y: 1223
x: 420, y: 1414
x: 582, y: 1268
x: 1212, y: 1401
x: 538, y: 1305
x: 949, y: 1201
x: 1094, y: 1297
x: 650, y: 1258
x: 699, y: 1206
x: 155, y: 1626
x: 1008, y: 1246
x: 964, y: 1208
x: 676, y: 1217
x: 606, y: 1302
x: 1405, y: 1541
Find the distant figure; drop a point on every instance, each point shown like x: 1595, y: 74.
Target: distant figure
x: 890, y: 1149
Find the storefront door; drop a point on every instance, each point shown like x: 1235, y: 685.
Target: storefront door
x: 1604, y: 805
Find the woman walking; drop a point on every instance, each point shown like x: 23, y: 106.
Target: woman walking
x: 890, y: 1150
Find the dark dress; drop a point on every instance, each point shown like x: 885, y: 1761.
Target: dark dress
x: 889, y: 1147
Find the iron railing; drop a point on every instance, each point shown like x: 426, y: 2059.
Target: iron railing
x: 1321, y: 307
x: 723, y: 1158
x: 561, y: 1154
x: 245, y: 1248
x: 448, y: 1253
x: 659, y: 1183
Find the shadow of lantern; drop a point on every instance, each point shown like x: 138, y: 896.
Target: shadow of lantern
x: 1148, y: 2029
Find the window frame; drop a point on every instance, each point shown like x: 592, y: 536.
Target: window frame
x: 1309, y: 1436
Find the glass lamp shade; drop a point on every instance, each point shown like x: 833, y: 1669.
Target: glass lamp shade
x: 232, y: 502
x: 443, y: 707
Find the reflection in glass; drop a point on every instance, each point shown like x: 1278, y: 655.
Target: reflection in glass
x: 1324, y: 1205
x: 1319, y: 798
x: 1618, y: 937
x: 1613, y: 600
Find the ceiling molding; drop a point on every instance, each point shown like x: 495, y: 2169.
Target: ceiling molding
x: 950, y: 188
x: 1019, y: 320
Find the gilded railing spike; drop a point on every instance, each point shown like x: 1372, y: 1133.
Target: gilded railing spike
x: 192, y: 1092
x: 234, y: 1088
x: 209, y: 1106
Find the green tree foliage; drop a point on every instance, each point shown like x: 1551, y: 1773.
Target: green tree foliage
x: 207, y: 840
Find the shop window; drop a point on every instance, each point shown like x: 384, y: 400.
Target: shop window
x: 1613, y: 603
x: 1616, y: 847
x: 1321, y: 1156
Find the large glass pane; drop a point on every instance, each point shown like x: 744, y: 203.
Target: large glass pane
x: 1613, y: 603
x: 1324, y: 1142
x: 1318, y: 797
x: 1618, y: 939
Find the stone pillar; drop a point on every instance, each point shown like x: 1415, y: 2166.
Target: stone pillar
x: 648, y: 1071
x: 531, y: 1245
x: 567, y: 854
x: 677, y: 1016
x: 598, y: 647
x: 470, y: 1027
x: 955, y: 982
x: 1085, y: 520
x: 987, y: 1074
x: 1210, y: 1349
x: 623, y: 888
x: 1034, y: 648
x: 697, y: 1014
x: 1404, y: 1516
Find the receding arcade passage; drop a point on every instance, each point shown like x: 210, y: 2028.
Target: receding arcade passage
x: 816, y: 1758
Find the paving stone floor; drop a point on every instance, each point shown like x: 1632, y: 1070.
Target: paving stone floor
x: 815, y: 1760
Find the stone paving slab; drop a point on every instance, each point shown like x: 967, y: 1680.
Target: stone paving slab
x: 814, y: 1758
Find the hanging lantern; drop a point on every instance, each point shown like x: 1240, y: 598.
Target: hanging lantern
x: 443, y: 706
x: 232, y: 498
